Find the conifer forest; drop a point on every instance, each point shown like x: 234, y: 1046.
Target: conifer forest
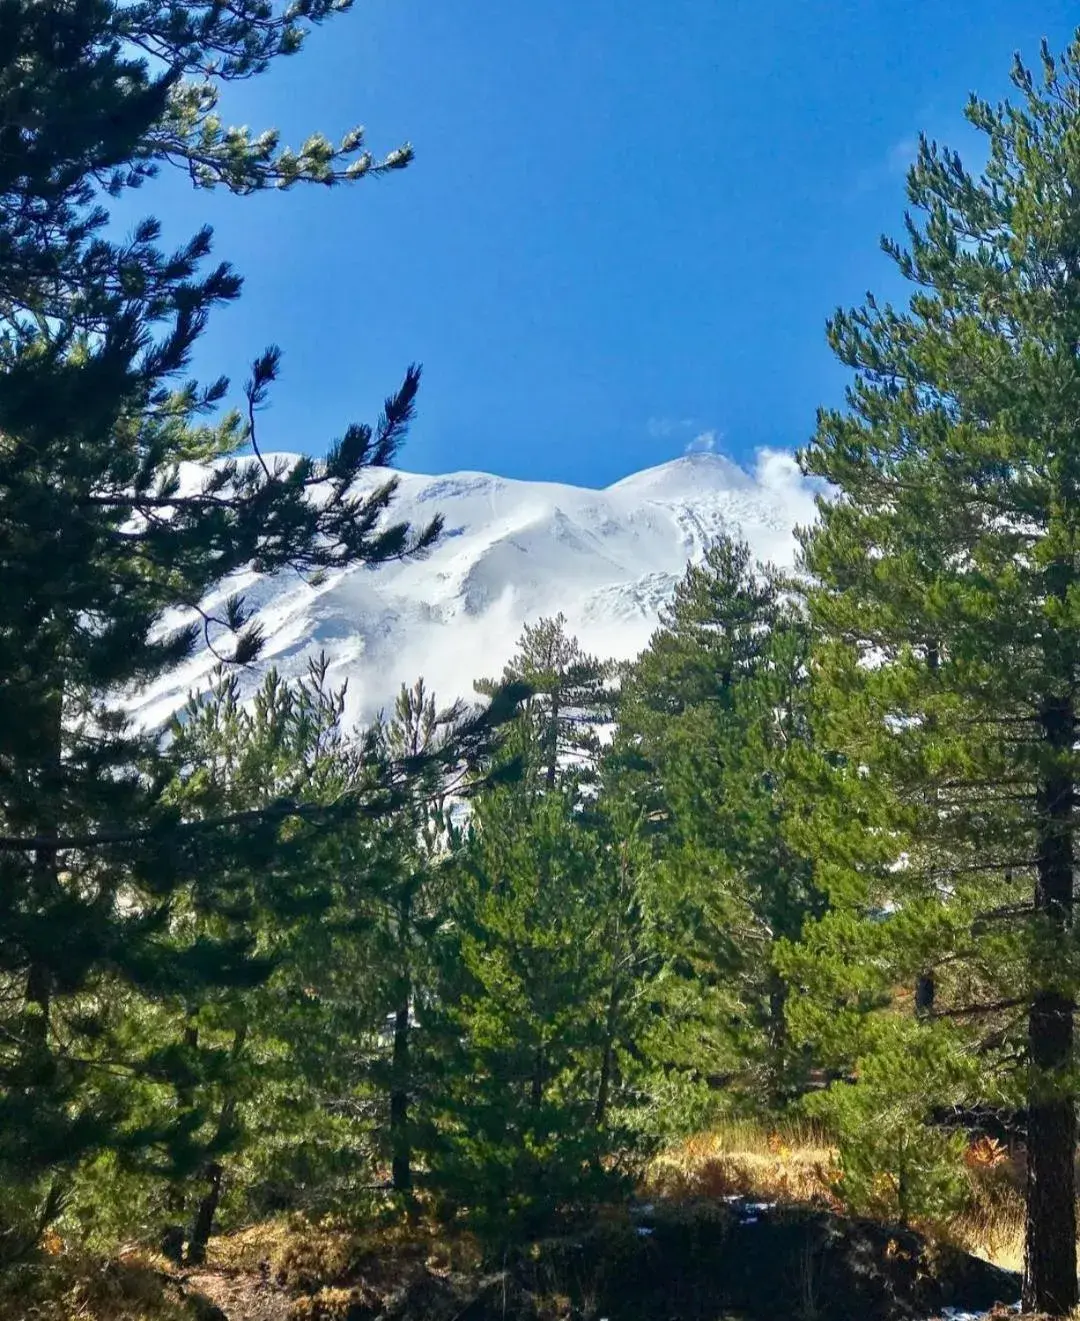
x: 673, y: 988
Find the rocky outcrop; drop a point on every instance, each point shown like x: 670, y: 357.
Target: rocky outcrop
x: 696, y: 1262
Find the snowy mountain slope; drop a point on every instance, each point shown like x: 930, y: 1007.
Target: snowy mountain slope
x: 512, y: 552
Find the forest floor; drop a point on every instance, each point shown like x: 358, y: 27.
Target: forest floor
x: 710, y: 1260
x: 738, y: 1219
x: 242, y: 1295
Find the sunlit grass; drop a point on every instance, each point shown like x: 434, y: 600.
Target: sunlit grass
x: 70, y: 1285
x: 787, y: 1162
x: 795, y: 1162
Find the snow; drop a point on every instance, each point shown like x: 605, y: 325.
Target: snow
x: 954, y: 1314
x: 512, y: 552
x: 749, y: 1213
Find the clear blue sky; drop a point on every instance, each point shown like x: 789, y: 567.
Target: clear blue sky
x: 625, y: 226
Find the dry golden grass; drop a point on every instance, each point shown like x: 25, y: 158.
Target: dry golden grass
x: 992, y: 1224
x: 287, y: 1244
x: 796, y: 1163
x: 790, y: 1162
x: 335, y: 1305
x: 302, y: 1254
x: 71, y: 1285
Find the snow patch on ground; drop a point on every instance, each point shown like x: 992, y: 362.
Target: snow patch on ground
x: 954, y: 1314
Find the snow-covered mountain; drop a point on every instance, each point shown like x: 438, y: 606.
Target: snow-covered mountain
x: 512, y: 552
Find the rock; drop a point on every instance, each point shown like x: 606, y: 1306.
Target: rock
x: 172, y: 1243
x: 690, y: 1262
x: 769, y: 1262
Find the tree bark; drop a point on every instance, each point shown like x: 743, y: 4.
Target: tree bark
x: 173, y: 1234
x: 925, y: 989
x: 607, y: 1060
x: 777, y: 1033
x: 536, y: 1087
x: 400, y: 1146
x: 39, y: 993
x: 45, y: 877
x: 553, y: 743
x: 400, y: 1062
x: 1050, y: 1283
x: 611, y: 1018
x: 203, y: 1224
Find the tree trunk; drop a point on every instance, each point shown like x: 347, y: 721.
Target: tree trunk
x: 777, y: 1038
x: 39, y: 987
x: 925, y: 990
x: 1050, y: 1283
x: 611, y: 1018
x: 45, y: 877
x: 553, y: 743
x: 537, y: 1086
x: 175, y: 1196
x: 607, y: 1060
x: 400, y: 1146
x: 203, y: 1224
x: 925, y: 987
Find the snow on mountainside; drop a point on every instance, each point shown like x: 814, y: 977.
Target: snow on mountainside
x: 512, y: 552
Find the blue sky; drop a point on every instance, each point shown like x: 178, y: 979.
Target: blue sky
x: 624, y: 229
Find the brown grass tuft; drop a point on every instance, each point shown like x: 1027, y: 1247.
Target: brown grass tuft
x: 795, y: 1162
x: 68, y: 1285
x: 787, y: 1163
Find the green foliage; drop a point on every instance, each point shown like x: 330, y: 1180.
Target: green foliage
x: 945, y: 591
x: 122, y: 902
x: 569, y: 696
x: 818, y: 833
x: 314, y: 1094
x: 540, y: 1004
x: 712, y: 718
x: 895, y: 1164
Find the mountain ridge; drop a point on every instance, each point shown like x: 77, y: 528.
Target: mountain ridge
x: 512, y: 551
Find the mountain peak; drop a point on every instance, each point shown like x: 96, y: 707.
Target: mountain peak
x: 512, y: 552
x: 682, y: 476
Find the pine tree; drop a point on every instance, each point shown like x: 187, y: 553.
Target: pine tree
x: 296, y: 1080
x: 539, y: 994
x: 571, y: 696
x: 288, y: 742
x: 628, y: 967
x: 711, y: 716
x: 524, y: 1123
x: 414, y: 907
x: 108, y: 553
x: 946, y: 590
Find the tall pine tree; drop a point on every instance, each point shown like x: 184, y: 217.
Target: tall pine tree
x: 712, y: 715
x: 571, y: 696
x: 946, y: 590
x: 538, y: 995
x: 107, y: 554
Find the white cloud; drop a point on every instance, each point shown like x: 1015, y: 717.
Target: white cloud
x: 700, y: 440
x: 704, y: 442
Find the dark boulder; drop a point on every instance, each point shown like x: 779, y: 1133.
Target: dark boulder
x: 704, y: 1261
x: 692, y: 1262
